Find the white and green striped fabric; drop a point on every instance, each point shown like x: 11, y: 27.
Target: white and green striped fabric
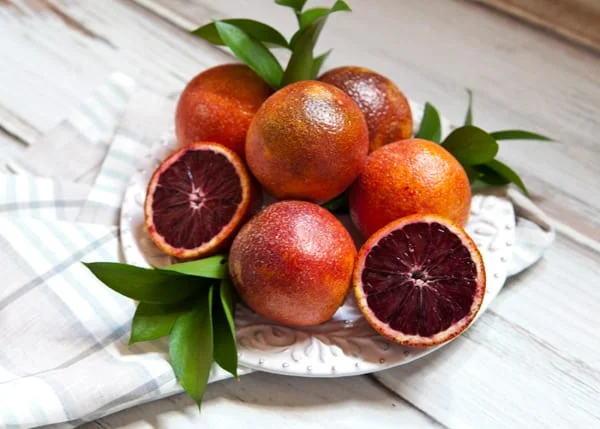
x: 64, y: 358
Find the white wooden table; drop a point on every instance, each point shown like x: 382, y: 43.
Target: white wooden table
x: 533, y: 360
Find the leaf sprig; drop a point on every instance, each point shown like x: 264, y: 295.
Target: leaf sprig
x: 193, y: 303
x: 251, y: 41
x: 475, y: 148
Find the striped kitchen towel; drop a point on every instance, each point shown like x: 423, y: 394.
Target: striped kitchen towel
x: 65, y: 358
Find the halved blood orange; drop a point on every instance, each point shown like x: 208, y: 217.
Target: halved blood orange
x: 197, y: 199
x: 420, y: 280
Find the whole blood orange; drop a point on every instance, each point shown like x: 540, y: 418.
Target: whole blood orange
x: 408, y: 177
x: 419, y: 281
x: 197, y: 199
x: 218, y: 105
x: 308, y: 141
x: 385, y: 107
x: 292, y: 263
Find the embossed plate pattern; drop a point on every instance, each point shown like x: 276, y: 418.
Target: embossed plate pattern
x: 345, y: 345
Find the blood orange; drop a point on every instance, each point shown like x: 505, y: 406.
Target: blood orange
x: 197, y: 199
x: 292, y: 263
x: 419, y: 281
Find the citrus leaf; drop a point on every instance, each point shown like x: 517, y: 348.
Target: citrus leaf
x: 214, y: 267
x: 497, y: 173
x: 297, y: 5
x: 339, y: 204
x: 469, y: 116
x: 489, y: 176
x: 191, y: 347
x: 252, y: 52
x: 255, y: 29
x: 471, y: 145
x: 318, y: 63
x: 311, y: 15
x: 153, y: 321
x: 431, y: 126
x: 518, y: 135
x: 225, y: 345
x: 300, y: 65
x: 146, y: 285
x: 472, y: 173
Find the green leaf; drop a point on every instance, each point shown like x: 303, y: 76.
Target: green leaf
x: 431, y: 125
x: 471, y: 145
x: 214, y: 267
x: 518, y: 135
x: 146, y: 285
x: 311, y: 15
x: 297, y: 5
x: 191, y: 347
x: 225, y: 344
x: 300, y: 65
x: 339, y: 204
x: 472, y: 173
x: 153, y: 321
x: 252, y: 52
x: 498, y: 173
x: 255, y: 29
x: 318, y: 63
x: 469, y: 116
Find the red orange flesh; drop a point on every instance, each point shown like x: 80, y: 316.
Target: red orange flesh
x: 419, y: 281
x: 197, y: 199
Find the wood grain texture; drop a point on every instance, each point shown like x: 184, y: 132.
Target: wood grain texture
x: 577, y: 20
x: 269, y: 401
x: 60, y: 51
x: 533, y: 361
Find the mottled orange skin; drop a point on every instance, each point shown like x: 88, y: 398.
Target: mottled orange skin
x: 292, y: 263
x: 409, y: 177
x: 218, y: 105
x: 308, y: 141
x: 385, y: 107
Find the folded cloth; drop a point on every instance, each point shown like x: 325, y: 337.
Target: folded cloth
x: 65, y: 358
x: 77, y: 145
x: 146, y: 118
x: 40, y: 197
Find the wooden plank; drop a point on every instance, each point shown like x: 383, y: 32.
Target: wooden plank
x: 577, y: 20
x: 263, y: 400
x: 520, y: 77
x: 9, y: 148
x: 60, y: 51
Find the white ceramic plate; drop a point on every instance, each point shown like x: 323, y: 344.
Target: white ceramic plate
x: 345, y: 345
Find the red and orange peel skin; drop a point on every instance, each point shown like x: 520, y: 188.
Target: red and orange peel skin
x: 308, y: 141
x: 292, y: 263
x: 218, y: 105
x: 409, y: 177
